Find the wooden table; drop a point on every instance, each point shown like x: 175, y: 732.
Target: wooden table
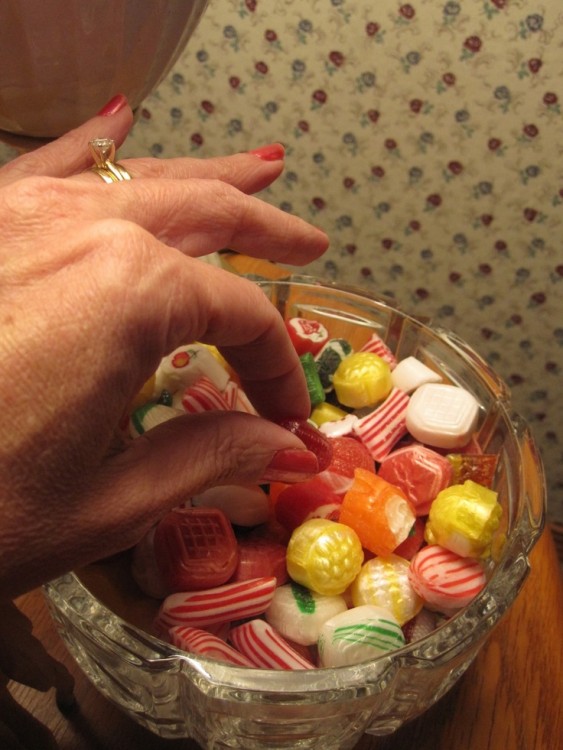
x: 509, y: 699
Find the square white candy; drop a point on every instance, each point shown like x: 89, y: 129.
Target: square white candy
x: 411, y: 373
x: 441, y: 415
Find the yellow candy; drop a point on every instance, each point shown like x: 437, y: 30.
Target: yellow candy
x: 362, y: 379
x: 144, y: 395
x: 463, y: 518
x: 384, y: 582
x: 324, y: 556
x: 326, y: 412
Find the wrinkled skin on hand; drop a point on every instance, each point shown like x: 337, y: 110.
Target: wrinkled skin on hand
x: 97, y: 283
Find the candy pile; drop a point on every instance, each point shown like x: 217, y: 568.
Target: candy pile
x: 387, y: 541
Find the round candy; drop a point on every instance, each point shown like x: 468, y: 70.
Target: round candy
x: 464, y: 518
x: 362, y: 379
x: 444, y: 580
x: 384, y: 582
x: 359, y: 634
x: 298, y: 614
x: 324, y: 556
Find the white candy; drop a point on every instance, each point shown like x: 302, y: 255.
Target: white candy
x: 357, y: 635
x: 244, y: 505
x: 340, y: 427
x: 441, y: 415
x: 299, y: 614
x: 411, y: 373
x: 185, y: 365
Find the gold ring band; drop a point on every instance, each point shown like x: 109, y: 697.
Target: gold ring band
x: 103, y: 151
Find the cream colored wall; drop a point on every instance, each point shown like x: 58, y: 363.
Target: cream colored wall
x: 426, y: 138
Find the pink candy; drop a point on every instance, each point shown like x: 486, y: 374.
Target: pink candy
x: 265, y: 648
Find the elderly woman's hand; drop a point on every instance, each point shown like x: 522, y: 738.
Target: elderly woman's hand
x: 98, y: 282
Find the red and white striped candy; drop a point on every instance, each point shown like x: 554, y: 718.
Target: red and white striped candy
x: 203, y: 643
x: 265, y: 647
x: 233, y: 601
x: 445, y: 580
x: 203, y: 396
x: 237, y: 398
x: 376, y: 345
x: 380, y: 429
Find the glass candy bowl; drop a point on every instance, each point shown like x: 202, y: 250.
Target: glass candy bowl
x: 175, y: 694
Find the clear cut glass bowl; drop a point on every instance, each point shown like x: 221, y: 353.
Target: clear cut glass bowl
x: 177, y: 695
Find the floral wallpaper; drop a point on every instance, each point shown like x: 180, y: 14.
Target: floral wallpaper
x: 426, y: 138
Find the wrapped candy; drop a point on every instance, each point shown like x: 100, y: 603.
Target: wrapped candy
x: 446, y: 581
x: 359, y: 634
x: 265, y: 647
x: 384, y: 582
x: 464, y: 518
x: 324, y: 556
x: 362, y: 379
x: 378, y: 512
x: 298, y: 613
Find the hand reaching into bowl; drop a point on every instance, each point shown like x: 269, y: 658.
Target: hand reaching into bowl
x: 100, y: 281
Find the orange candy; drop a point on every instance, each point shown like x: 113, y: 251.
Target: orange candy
x: 378, y: 512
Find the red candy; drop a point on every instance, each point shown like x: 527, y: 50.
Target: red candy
x: 306, y: 335
x: 304, y: 500
x: 261, y: 557
x: 313, y: 439
x: 348, y: 454
x: 195, y: 548
x: 420, y: 472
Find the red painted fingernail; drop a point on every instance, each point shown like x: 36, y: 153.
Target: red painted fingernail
x: 272, y: 152
x: 116, y: 103
x: 291, y: 465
